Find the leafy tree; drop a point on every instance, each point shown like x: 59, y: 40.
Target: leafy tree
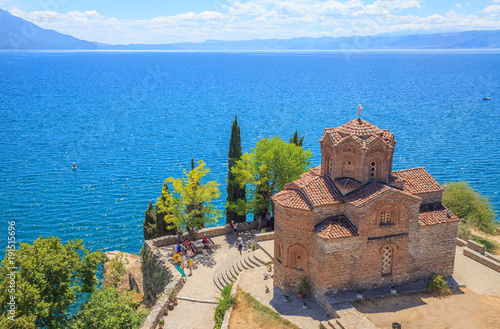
x: 164, y: 222
x: 198, y: 206
x: 49, y: 279
x: 271, y: 164
x: 235, y: 192
x: 189, y: 191
x: 149, y: 225
x: 114, y: 270
x: 469, y: 205
x: 295, y: 139
x: 109, y: 309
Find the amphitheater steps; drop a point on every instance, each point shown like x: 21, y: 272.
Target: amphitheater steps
x: 230, y: 269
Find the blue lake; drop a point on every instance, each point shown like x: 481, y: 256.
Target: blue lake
x: 131, y: 119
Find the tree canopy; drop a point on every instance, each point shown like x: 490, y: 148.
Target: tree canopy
x: 49, y: 279
x: 235, y: 192
x: 271, y: 164
x: 109, y: 309
x: 469, y: 205
x: 189, y: 191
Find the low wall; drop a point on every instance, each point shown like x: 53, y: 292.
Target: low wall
x: 264, y: 236
x: 477, y: 252
x: 209, y: 231
x: 482, y: 259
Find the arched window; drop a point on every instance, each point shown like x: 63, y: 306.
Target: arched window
x: 298, y: 257
x: 279, y: 248
x: 328, y: 164
x: 386, y: 217
x: 387, y: 261
x: 373, y: 170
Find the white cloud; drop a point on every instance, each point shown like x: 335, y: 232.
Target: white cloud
x: 458, y: 5
x: 4, y: 1
x: 252, y: 19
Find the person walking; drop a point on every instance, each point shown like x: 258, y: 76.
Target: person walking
x: 259, y: 222
x: 179, y: 236
x: 235, y: 227
x: 190, y: 262
x: 183, y: 262
x: 268, y: 220
x: 240, y: 245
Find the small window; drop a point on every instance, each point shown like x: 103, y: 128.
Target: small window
x: 373, y: 169
x: 386, y: 217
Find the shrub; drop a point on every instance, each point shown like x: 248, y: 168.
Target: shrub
x: 469, y: 205
x: 437, y: 284
x: 225, y: 303
x: 464, y: 231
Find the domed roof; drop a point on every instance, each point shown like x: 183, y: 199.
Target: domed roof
x: 361, y: 131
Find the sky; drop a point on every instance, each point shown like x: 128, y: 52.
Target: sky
x: 170, y: 21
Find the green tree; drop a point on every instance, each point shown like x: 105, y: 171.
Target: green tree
x: 164, y: 223
x: 271, y: 164
x: 198, y: 206
x: 114, y: 270
x: 295, y: 139
x: 109, y: 309
x: 149, y: 225
x: 189, y: 191
x: 470, y: 206
x: 235, y: 192
x: 49, y: 279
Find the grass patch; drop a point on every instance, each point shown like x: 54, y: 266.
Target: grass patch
x: 250, y: 314
x: 491, y: 246
x: 438, y: 285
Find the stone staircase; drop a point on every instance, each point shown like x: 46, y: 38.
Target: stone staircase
x: 348, y: 318
x: 229, y: 270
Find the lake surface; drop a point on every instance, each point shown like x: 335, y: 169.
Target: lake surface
x: 131, y: 119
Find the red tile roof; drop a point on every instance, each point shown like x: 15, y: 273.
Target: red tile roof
x: 335, y: 227
x: 416, y: 180
x: 292, y: 199
x: 371, y: 192
x: 361, y: 132
x: 435, y: 214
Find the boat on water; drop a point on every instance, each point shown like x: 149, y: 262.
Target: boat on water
x: 486, y: 98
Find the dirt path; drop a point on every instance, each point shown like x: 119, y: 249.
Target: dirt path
x: 463, y: 309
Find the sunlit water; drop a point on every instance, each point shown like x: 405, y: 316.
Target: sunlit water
x: 130, y: 119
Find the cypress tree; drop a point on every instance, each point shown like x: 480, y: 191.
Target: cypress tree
x: 149, y: 224
x: 162, y: 205
x: 295, y: 139
x: 234, y: 191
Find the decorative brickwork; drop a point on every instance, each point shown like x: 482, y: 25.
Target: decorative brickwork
x: 353, y: 223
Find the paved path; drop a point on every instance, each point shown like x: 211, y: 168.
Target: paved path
x: 476, y: 276
x: 253, y: 282
x: 194, y: 315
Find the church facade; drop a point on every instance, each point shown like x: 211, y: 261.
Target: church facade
x: 354, y: 223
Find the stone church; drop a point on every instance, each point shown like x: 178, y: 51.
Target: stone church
x: 354, y: 223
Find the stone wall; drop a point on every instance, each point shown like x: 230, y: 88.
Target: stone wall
x: 436, y: 245
x: 157, y: 272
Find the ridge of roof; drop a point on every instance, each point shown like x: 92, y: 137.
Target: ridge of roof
x: 372, y: 191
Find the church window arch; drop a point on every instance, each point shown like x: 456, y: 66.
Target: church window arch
x: 387, y: 260
x: 373, y: 169
x: 297, y: 257
x: 279, y: 249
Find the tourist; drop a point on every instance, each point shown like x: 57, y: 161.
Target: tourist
x: 207, y: 241
x: 190, y: 261
x: 183, y: 262
x: 240, y: 245
x: 179, y: 248
x: 259, y: 223
x: 179, y: 236
x: 235, y: 227
x: 268, y: 220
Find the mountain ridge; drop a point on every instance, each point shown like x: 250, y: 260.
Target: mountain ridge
x: 19, y: 34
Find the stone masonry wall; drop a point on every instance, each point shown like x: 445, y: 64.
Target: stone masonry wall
x: 437, y: 245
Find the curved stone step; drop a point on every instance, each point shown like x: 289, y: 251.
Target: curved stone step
x: 230, y: 269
